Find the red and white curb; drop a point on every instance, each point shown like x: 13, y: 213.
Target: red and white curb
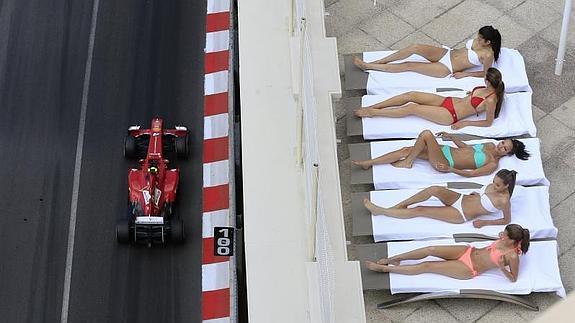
x: 215, y: 269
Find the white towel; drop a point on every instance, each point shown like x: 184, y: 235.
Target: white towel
x: 538, y: 272
x: 529, y: 208
x: 510, y: 64
x: 515, y: 119
x: 421, y: 175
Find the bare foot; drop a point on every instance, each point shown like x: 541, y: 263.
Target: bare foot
x: 375, y: 267
x: 364, y: 112
x: 388, y: 261
x: 374, y: 209
x: 404, y: 163
x: 359, y: 63
x: 365, y: 164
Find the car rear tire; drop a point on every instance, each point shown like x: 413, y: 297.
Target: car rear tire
x: 130, y: 149
x: 123, y: 231
x: 177, y: 232
x: 182, y: 147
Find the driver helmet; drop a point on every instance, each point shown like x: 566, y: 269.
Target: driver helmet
x: 153, y: 169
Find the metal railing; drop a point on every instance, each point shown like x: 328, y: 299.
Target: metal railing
x: 308, y: 154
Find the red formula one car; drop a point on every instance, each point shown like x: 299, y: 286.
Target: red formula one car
x: 153, y: 185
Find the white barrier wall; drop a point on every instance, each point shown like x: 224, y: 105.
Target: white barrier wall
x: 294, y: 230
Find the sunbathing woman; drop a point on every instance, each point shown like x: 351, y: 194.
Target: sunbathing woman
x: 445, y: 110
x: 463, y: 262
x: 481, y: 51
x: 459, y: 208
x: 465, y: 160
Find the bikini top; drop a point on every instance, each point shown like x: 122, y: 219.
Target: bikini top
x: 477, y: 100
x: 496, y: 254
x: 486, y: 201
x: 479, y: 155
x: 471, y: 54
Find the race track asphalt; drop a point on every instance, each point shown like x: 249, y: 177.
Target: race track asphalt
x: 147, y: 62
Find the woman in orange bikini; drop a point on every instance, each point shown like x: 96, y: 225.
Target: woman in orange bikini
x: 481, y: 51
x: 463, y: 262
x: 445, y: 110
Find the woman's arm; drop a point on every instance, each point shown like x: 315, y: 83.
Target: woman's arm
x: 513, y: 265
x: 489, y: 117
x: 444, y: 135
x: 487, y: 62
x: 506, y: 219
x: 483, y: 170
x: 459, y: 75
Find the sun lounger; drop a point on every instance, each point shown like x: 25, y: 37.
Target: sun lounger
x: 529, y: 208
x: 421, y: 175
x: 515, y: 119
x: 539, y: 272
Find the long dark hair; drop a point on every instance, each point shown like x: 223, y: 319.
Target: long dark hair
x: 508, y: 177
x: 519, y: 150
x: 494, y: 37
x: 518, y: 234
x: 496, y: 80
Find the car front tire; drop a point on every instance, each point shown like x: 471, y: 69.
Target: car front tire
x: 130, y: 147
x: 182, y: 147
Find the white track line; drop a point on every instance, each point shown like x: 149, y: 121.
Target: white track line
x: 78, y: 167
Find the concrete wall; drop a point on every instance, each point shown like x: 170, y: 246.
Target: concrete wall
x: 283, y: 279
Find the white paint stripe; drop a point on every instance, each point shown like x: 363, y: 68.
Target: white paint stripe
x: 219, y: 218
x: 215, y: 6
x: 216, y: 276
x: 216, y: 126
x: 217, y: 41
x: 78, y: 167
x: 220, y: 320
x: 216, y: 173
x: 215, y: 83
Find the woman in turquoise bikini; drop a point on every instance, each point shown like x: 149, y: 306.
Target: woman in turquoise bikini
x: 464, y: 160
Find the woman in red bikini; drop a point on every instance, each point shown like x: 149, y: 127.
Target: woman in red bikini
x: 463, y: 262
x: 445, y: 110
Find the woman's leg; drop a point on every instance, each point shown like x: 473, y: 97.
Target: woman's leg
x: 426, y: 147
x: 441, y: 213
x: 430, y: 53
x: 436, y: 114
x: 384, y: 159
x: 411, y: 96
x: 445, y: 195
x: 434, y: 69
x: 443, y: 252
x: 451, y: 268
x: 430, y: 69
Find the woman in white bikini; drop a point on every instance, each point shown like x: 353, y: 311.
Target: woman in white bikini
x: 459, y: 208
x: 483, y: 50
